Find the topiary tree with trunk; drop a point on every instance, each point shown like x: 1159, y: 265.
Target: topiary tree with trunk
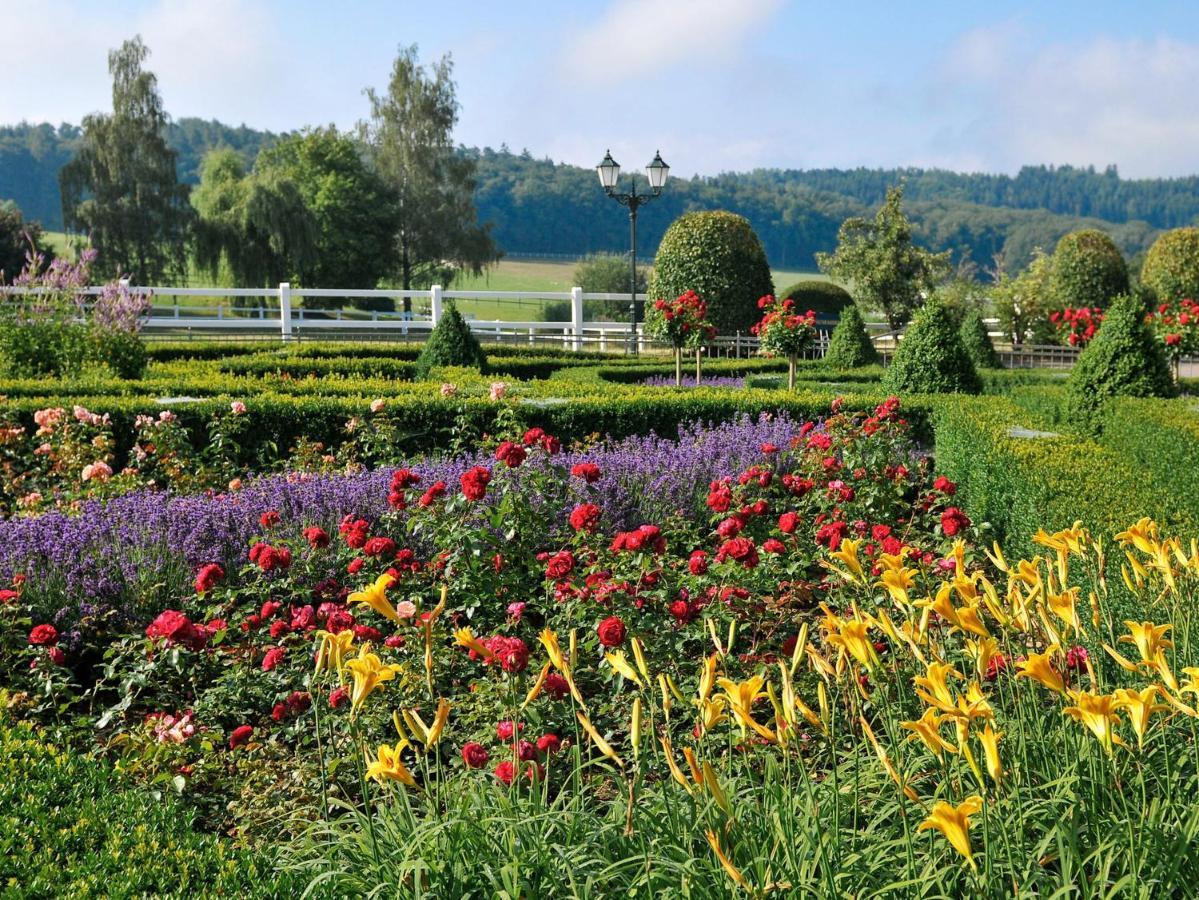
x: 850, y: 346
x: 717, y: 255
x: 977, y: 341
x: 682, y: 323
x: 1088, y: 270
x: 931, y: 358
x: 451, y: 343
x: 785, y: 332
x: 1125, y: 359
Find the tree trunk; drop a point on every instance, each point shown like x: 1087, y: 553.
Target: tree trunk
x: 698, y: 373
x: 405, y: 274
x: 791, y: 372
x: 678, y: 366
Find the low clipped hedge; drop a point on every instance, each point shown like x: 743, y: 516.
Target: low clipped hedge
x: 1162, y: 438
x: 70, y: 827
x: 1018, y: 484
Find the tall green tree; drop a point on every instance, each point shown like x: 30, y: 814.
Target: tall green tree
x: 409, y: 137
x: 256, y: 226
x: 18, y: 237
x: 121, y: 189
x: 886, y: 271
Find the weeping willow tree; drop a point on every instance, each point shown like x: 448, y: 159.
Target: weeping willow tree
x: 253, y: 228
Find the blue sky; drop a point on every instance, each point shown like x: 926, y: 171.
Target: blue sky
x: 717, y: 86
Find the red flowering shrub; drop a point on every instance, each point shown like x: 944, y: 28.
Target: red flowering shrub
x: 176, y: 628
x: 474, y: 483
x: 43, y: 636
x: 241, y: 736
x: 1076, y: 327
x: 611, y: 632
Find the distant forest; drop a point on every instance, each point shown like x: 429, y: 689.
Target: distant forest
x: 541, y: 207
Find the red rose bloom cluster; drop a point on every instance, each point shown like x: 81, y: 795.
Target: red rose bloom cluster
x: 269, y: 558
x: 474, y: 482
x: 647, y: 537
x: 585, y: 517
x: 953, y: 520
x: 588, y: 471
x: 174, y: 627
x: 510, y: 454
x: 611, y: 632
x: 43, y: 636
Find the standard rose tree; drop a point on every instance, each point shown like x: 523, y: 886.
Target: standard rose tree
x: 784, y: 332
x: 682, y: 323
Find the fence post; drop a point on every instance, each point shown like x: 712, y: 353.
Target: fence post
x: 285, y: 310
x: 435, y: 303
x: 576, y: 317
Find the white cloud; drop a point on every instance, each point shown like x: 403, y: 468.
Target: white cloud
x: 1131, y: 102
x: 635, y: 38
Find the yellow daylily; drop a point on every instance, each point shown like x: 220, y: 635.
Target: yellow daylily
x: 898, y: 582
x: 603, y: 746
x: 711, y: 713
x: 1065, y: 607
x: 1039, y: 668
x: 1098, y: 713
x: 984, y: 650
x: 549, y: 640
x: 848, y: 554
x: 954, y: 824
x: 852, y: 637
x: 538, y: 684
x: 886, y: 761
x: 617, y: 660
x: 1139, y: 707
x: 368, y: 672
x: 731, y: 870
x: 639, y: 658
x: 332, y: 650
x: 1149, y: 639
x: 989, y: 738
x: 375, y: 596
x: 429, y: 735
x: 933, y: 688
x: 927, y: 730
x: 671, y: 764
x: 464, y: 637
x: 1142, y: 535
x: 635, y: 728
x: 387, y: 766
x: 741, y: 697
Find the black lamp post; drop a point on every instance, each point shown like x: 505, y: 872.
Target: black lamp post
x: 609, y: 172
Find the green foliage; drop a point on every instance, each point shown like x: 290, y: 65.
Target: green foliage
x: 1023, y: 303
x: 824, y: 298
x: 1122, y: 360
x: 1088, y: 270
x: 69, y: 826
x: 121, y: 189
x: 1020, y: 479
x: 977, y: 341
x: 451, y: 343
x: 18, y: 236
x: 931, y: 358
x: 888, y: 271
x: 1171, y: 268
x: 606, y: 273
x: 122, y: 352
x: 410, y: 142
x: 1161, y: 437
x: 38, y: 351
x: 850, y: 346
x: 717, y: 255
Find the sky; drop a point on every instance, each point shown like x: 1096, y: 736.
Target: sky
x: 715, y: 86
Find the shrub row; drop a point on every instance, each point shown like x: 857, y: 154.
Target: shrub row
x: 1018, y: 480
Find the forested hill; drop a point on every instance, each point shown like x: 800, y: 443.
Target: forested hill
x: 538, y: 206
x: 31, y: 155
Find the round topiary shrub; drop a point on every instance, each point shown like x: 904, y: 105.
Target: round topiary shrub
x: 451, y: 343
x: 977, y: 342
x: 1123, y: 360
x: 1088, y: 270
x: 850, y: 346
x: 824, y: 298
x: 717, y: 255
x: 1171, y: 267
x: 931, y: 358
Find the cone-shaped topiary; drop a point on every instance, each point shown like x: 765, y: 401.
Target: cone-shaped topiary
x: 850, y: 346
x: 451, y: 343
x: 1123, y: 360
x: 977, y: 342
x: 931, y: 358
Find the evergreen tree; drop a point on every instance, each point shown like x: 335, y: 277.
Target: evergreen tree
x: 850, y: 346
x: 1123, y: 360
x: 931, y: 358
x: 977, y: 342
x: 451, y: 343
x: 121, y: 190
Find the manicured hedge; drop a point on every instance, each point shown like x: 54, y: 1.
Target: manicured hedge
x: 1018, y: 484
x: 70, y: 827
x: 1162, y: 438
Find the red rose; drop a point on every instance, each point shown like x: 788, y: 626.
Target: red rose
x: 339, y: 697
x: 560, y: 565
x: 611, y: 632
x: 474, y: 482
x: 510, y: 454
x: 6, y: 595
x: 43, y: 635
x: 588, y: 471
x: 176, y: 628
x: 435, y: 492
x: 954, y: 520
x: 774, y: 545
x: 945, y: 486
x: 507, y: 729
x: 551, y: 445
x: 57, y: 656
x: 510, y: 652
x: 697, y: 563
x: 549, y: 743
x: 209, y: 577
x: 474, y: 755
x: 241, y: 735
x: 269, y: 519
x: 380, y: 546
x: 533, y: 436
x: 505, y: 772
x: 585, y: 517
x: 316, y: 537
x: 355, y: 565
x: 728, y: 528
x: 556, y: 686
x: 272, y: 658
x: 739, y: 549
x: 680, y: 610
